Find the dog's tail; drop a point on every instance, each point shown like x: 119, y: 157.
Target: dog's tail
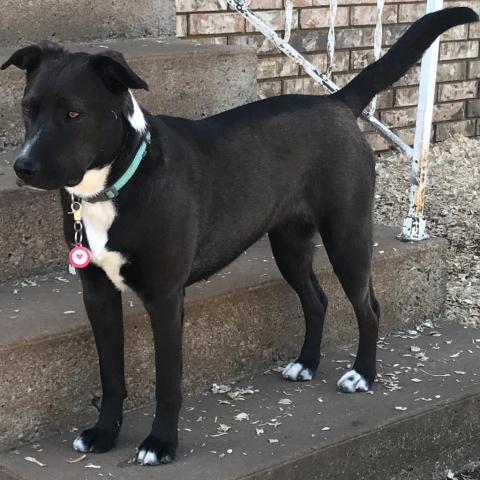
x: 404, y: 54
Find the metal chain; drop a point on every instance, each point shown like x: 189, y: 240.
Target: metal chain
x: 76, y: 208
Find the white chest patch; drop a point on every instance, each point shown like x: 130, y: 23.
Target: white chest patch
x: 97, y: 219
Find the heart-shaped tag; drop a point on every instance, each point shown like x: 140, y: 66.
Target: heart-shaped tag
x: 80, y: 257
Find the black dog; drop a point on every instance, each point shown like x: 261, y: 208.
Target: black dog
x: 202, y: 194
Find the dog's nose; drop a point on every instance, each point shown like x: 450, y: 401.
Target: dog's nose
x: 25, y: 167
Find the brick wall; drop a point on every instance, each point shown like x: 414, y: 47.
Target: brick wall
x: 457, y: 98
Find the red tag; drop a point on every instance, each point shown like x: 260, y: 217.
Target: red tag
x: 80, y: 257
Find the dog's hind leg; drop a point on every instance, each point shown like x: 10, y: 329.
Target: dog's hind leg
x: 292, y: 248
x: 349, y: 247
x: 103, y: 303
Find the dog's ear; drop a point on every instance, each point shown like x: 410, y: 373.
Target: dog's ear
x: 29, y: 58
x: 115, y: 72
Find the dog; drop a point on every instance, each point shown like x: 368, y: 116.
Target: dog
x: 156, y: 203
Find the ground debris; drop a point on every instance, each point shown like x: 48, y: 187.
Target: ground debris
x: 35, y: 461
x: 452, y: 209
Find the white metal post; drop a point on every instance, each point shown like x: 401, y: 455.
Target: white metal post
x: 414, y: 225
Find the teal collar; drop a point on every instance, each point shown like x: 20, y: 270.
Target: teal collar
x: 110, y: 193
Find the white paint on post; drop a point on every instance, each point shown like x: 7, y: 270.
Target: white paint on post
x: 313, y: 71
x: 377, y: 45
x: 288, y: 20
x: 331, y: 37
x: 414, y: 225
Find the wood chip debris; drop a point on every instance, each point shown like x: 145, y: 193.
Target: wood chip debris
x: 35, y: 461
x: 242, y: 416
x: 451, y: 207
x: 77, y: 460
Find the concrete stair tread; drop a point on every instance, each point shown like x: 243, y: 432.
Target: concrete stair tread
x: 7, y: 175
x: 236, y: 323
x: 322, y: 434
x: 25, y: 22
x: 143, y: 47
x: 32, y: 309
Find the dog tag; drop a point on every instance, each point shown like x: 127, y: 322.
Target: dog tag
x: 79, y: 257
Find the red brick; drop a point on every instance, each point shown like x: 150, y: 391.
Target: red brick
x: 271, y: 88
x: 456, y: 50
x: 273, y: 67
x: 182, y: 26
x: 457, y: 91
x: 367, y: 15
x: 200, y: 5
x: 474, y: 69
x: 274, y: 18
x: 303, y: 85
x: 406, y: 96
x: 474, y: 30
x: 216, y: 23
x: 265, y: 4
x: 320, y: 17
x: 445, y: 130
x: 257, y: 40
x: 341, y: 61
x: 409, y: 12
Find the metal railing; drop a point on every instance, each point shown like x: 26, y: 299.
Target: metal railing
x: 414, y: 226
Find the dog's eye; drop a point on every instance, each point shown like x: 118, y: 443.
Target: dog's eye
x: 73, y: 115
x: 26, y: 109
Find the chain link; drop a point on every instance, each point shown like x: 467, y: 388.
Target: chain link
x: 77, y: 224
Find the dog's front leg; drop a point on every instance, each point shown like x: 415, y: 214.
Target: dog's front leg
x: 166, y: 314
x: 103, y: 303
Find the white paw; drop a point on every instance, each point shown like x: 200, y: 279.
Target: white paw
x: 352, y: 382
x: 147, y: 457
x: 296, y: 372
x: 79, y: 445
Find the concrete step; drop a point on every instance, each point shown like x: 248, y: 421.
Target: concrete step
x: 27, y: 21
x: 420, y: 421
x: 237, y: 323
x: 186, y: 79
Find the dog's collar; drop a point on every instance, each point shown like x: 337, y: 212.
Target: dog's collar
x: 110, y: 193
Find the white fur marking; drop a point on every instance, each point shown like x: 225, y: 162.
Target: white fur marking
x: 98, y: 218
x: 79, y: 446
x: 141, y: 456
x: 93, y: 182
x: 352, y: 382
x: 137, y: 119
x: 306, y: 375
x: 296, y: 371
x: 151, y: 459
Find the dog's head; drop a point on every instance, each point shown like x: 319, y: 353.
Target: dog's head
x: 77, y: 109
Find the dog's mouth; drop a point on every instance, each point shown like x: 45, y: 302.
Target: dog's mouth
x: 71, y: 183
